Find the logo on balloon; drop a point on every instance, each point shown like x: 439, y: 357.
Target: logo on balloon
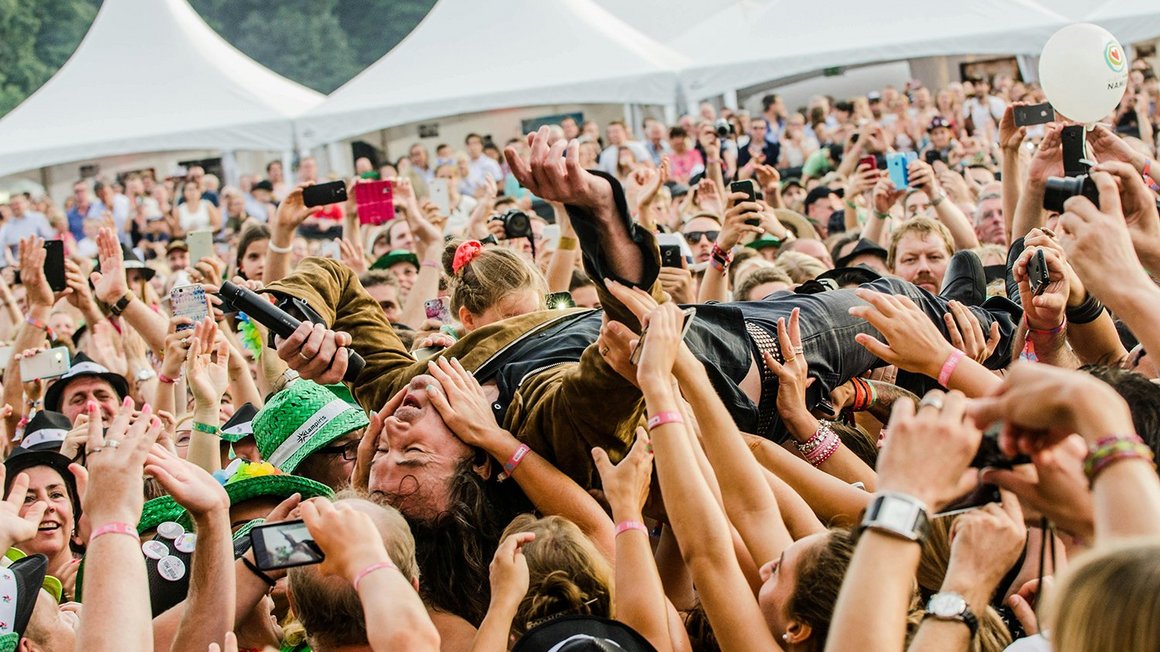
x: 1114, y: 56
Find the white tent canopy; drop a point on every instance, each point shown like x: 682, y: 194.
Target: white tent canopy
x: 751, y: 43
x: 469, y: 56
x: 188, y: 89
x: 1131, y: 21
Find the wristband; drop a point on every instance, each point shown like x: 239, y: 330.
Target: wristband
x: 204, y: 427
x: 1148, y: 178
x: 1053, y: 331
x: 881, y: 216
x: 509, y: 467
x: 32, y: 321
x: 851, y: 205
x: 625, y: 526
x: 114, y: 528
x: 949, y: 366
x: 938, y: 199
x: 567, y: 243
x: 166, y: 379
x: 662, y: 418
x: 370, y: 569
x: 279, y: 250
x: 432, y: 264
x: 258, y: 572
x: 1114, y: 448
x: 1085, y: 313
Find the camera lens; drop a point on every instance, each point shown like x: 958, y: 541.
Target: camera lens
x: 723, y: 128
x: 1059, y: 189
x: 516, y: 225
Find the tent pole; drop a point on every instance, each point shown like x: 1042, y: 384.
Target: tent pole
x: 230, y: 168
x: 287, y: 171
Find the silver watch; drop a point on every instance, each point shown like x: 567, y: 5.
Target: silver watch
x: 145, y: 374
x: 952, y: 606
x: 897, y: 514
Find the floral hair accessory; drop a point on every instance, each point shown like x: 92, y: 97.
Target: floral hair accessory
x: 466, y: 252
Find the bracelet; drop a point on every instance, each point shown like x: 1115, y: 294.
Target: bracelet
x: 942, y: 196
x: 567, y: 243
x: 717, y: 265
x: 881, y: 216
x: 205, y: 427
x: 849, y: 204
x: 949, y: 366
x: 821, y: 446
x: 167, y: 380
x: 32, y: 321
x: 721, y: 255
x: 509, y: 467
x: 1148, y: 178
x: 370, y: 569
x: 1114, y: 448
x: 1053, y: 331
x: 1085, y: 313
x: 432, y: 264
x: 114, y: 528
x: 258, y: 572
x: 662, y: 418
x: 279, y: 250
x: 625, y: 526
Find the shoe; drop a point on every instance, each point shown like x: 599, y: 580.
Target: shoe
x: 964, y: 280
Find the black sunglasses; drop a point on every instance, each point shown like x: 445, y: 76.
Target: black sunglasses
x: 694, y: 237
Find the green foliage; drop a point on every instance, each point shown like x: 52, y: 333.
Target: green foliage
x: 318, y: 43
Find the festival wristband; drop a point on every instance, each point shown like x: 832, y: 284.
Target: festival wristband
x: 371, y: 569
x: 166, y: 379
x: 204, y: 427
x: 114, y: 528
x: 625, y: 526
x: 279, y: 250
x: 1052, y: 331
x: 509, y: 467
x: 1114, y: 448
x: 662, y: 418
x: 949, y: 366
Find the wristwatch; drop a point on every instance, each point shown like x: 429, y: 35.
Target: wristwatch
x: 952, y: 606
x: 144, y: 374
x: 897, y: 514
x: 122, y: 303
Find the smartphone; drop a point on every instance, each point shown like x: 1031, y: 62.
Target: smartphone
x: 560, y: 300
x: 188, y: 301
x: 440, y: 195
x: 200, y: 245
x: 46, y: 364
x: 375, y: 202
x: 689, y: 314
x: 1037, y: 273
x: 868, y: 160
x: 1034, y: 114
x: 750, y: 189
x: 673, y: 248
x: 989, y: 454
x: 321, y: 194
x: 54, y: 265
x: 896, y: 167
x: 284, y: 545
x: 976, y: 498
x: 932, y: 156
x: 1072, y: 142
x: 438, y: 309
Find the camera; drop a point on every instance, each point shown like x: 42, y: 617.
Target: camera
x: 1059, y: 189
x: 516, y: 224
x: 723, y: 128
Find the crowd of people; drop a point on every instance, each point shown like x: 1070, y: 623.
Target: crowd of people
x: 731, y: 384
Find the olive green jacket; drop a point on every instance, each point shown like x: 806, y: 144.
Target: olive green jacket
x: 561, y: 412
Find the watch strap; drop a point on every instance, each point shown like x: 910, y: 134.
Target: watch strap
x: 917, y: 526
x: 122, y: 303
x: 965, y: 616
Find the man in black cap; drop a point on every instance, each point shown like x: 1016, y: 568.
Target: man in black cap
x: 86, y: 381
x: 30, y: 618
x: 862, y: 252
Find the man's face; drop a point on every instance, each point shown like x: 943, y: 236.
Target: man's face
x: 982, y: 88
x: 387, y: 296
x: 757, y: 131
x: 329, y: 465
x: 921, y: 259
x: 794, y: 195
x: 917, y: 203
x: 419, y: 157
x: 18, y: 204
x: 275, y: 172
x: 571, y: 129
x: 815, y: 249
x: 921, y: 98
x: 400, y: 236
x: 81, y: 194
x: 989, y: 224
x: 820, y: 212
x: 416, y: 455
x: 307, y: 170
x: 80, y: 391
x: 701, y: 233
x: 616, y: 134
x: 474, y: 147
x: 405, y: 273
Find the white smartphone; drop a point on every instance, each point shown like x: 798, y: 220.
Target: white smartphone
x: 46, y: 364
x: 200, y: 245
x: 188, y: 301
x: 5, y: 357
x: 440, y: 195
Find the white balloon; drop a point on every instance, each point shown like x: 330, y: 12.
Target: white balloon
x: 1084, y: 72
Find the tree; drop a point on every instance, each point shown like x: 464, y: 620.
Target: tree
x: 36, y: 38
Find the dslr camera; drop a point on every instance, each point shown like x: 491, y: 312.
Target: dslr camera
x: 723, y: 128
x: 1059, y: 189
x: 516, y: 224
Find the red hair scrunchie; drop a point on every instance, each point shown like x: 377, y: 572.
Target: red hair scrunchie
x: 466, y: 252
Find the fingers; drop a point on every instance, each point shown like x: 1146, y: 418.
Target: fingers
x: 95, y: 437
x: 876, y: 347
x: 603, y: 464
x: 18, y: 491
x: 284, y: 509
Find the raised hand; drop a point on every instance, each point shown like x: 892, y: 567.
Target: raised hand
x: 793, y: 373
x: 352, y: 256
x: 614, y: 344
x: 626, y: 484
x: 735, y: 226
x: 347, y: 537
x: 1098, y: 243
x: 292, y: 212
x: 660, y: 345
x: 509, y: 571
x: 315, y: 352
x: 913, y: 342
x: 114, y: 464
x: 1048, y: 159
x: 1055, y: 486
x: 78, y: 294
x: 13, y: 526
x: 886, y: 195
x: 1047, y: 310
x: 368, y: 445
x: 1138, y: 204
x: 462, y: 404
x: 177, y: 344
x: 207, y: 368
x: 554, y: 173
x: 191, y: 486
x: 31, y: 254
x: 109, y: 284
x: 1010, y: 136
x: 986, y: 542
x: 708, y: 198
x: 967, y: 333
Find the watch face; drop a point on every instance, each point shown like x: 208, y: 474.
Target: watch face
x: 946, y: 605
x: 898, y: 514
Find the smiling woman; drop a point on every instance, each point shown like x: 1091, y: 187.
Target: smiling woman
x: 51, y: 483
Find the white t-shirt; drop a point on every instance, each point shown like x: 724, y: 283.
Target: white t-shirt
x: 197, y: 220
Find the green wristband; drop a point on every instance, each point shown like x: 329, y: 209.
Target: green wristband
x: 206, y: 428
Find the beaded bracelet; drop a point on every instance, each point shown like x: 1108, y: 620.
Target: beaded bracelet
x: 114, y: 528
x: 509, y: 467
x: 1114, y: 448
x: 370, y: 569
x: 821, y: 446
x: 824, y: 454
x: 625, y: 526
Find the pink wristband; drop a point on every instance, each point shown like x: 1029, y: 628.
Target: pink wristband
x: 114, y: 528
x: 949, y: 366
x: 661, y: 418
x: 370, y: 569
x: 625, y: 526
x: 1054, y: 331
x: 509, y: 466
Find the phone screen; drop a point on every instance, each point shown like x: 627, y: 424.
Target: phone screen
x: 440, y: 195
x: 284, y: 545
x: 54, y: 265
x: 322, y: 194
x: 375, y: 202
x: 437, y: 309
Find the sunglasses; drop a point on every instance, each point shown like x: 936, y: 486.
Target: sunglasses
x: 694, y: 237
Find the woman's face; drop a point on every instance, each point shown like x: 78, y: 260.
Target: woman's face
x: 189, y: 191
x: 779, y: 581
x: 253, y: 263
x: 56, y: 526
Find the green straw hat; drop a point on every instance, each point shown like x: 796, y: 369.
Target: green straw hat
x: 299, y: 420
x: 396, y: 256
x: 158, y: 511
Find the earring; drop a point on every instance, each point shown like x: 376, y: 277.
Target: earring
x: 785, y: 637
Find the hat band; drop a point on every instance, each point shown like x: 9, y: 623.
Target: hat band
x: 9, y: 598
x: 42, y: 436
x: 307, y: 430
x: 85, y: 368
x: 243, y: 428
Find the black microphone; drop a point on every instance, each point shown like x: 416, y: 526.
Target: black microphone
x: 279, y: 321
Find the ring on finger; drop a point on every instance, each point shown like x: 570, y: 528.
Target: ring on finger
x: 935, y: 402
x: 604, y: 350
x: 94, y: 451
x: 113, y: 443
x: 304, y: 357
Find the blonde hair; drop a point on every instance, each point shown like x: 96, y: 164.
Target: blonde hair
x: 569, y: 576
x: 1107, y: 600
x: 800, y: 267
x: 922, y: 227
x: 493, y: 274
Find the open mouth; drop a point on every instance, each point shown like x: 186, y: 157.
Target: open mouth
x: 410, y: 401
x: 48, y: 527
